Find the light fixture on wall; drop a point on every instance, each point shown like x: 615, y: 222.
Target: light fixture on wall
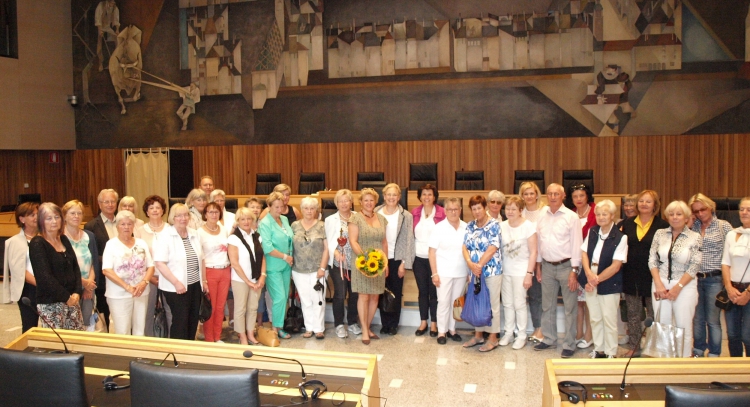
x: 73, y: 100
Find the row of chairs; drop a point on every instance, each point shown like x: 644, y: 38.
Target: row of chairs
x: 421, y: 174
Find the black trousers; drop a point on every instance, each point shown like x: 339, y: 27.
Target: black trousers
x: 340, y: 289
x: 534, y: 296
x: 101, y: 303
x: 185, y: 309
x: 29, y: 317
x: 427, y: 290
x: 396, y: 284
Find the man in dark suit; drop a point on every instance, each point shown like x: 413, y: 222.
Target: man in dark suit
x: 103, y: 227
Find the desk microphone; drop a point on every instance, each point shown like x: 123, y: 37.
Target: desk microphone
x: 174, y: 358
x: 27, y: 302
x: 648, y: 322
x: 248, y: 354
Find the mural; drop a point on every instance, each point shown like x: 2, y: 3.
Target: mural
x: 287, y: 71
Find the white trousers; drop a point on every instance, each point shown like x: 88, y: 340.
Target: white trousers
x: 516, y: 309
x: 495, y: 285
x: 450, y: 289
x: 313, y: 303
x: 683, y: 308
x: 128, y: 314
x: 603, y: 313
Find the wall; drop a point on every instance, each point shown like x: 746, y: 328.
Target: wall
x: 35, y: 113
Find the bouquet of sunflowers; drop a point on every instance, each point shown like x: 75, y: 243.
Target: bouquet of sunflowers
x: 371, y: 263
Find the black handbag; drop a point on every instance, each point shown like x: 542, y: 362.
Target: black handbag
x: 722, y: 298
x: 206, y: 309
x: 160, y: 317
x: 294, y: 321
x: 388, y: 301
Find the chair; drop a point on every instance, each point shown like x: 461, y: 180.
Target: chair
x: 172, y: 201
x: 469, y: 180
x: 728, y: 209
x: 266, y: 181
x: 327, y: 208
x: 680, y: 396
x: 422, y: 173
x: 41, y: 379
x: 574, y: 177
x: 368, y: 176
x: 29, y: 198
x: 231, y: 205
x: 152, y: 385
x: 311, y: 182
x: 535, y: 176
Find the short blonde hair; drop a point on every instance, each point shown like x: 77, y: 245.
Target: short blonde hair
x: 452, y: 200
x: 606, y: 205
x: 515, y: 200
x: 215, y: 193
x: 127, y: 200
x: 631, y: 199
x: 699, y: 197
x: 678, y: 206
x: 195, y: 195
x: 496, y: 195
x: 281, y: 188
x: 69, y: 205
x: 122, y: 215
x: 368, y: 191
x: 309, y: 202
x: 392, y: 185
x: 178, y: 207
x: 342, y: 193
x: 529, y: 184
x: 273, y: 197
x: 245, y: 213
x: 654, y: 196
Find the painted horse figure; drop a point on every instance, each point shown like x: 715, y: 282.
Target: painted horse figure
x: 125, y: 65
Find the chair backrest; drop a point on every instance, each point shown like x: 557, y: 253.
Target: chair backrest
x: 368, y: 176
x: 311, y: 182
x: 727, y: 208
x: 266, y: 181
x: 327, y: 208
x: 535, y: 176
x: 680, y: 396
x: 167, y: 386
x: 422, y: 173
x: 29, y: 198
x: 469, y: 180
x: 573, y: 177
x: 172, y: 201
x: 231, y: 205
x: 41, y: 379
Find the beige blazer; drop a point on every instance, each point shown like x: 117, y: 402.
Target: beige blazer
x: 14, y: 266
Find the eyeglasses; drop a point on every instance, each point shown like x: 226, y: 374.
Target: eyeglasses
x: 452, y: 210
x: 182, y: 215
x: 496, y: 202
x: 213, y: 212
x: 701, y: 210
x: 108, y: 202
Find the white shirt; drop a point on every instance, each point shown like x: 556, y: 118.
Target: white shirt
x: 533, y: 216
x: 621, y: 251
x: 391, y: 231
x: 559, y: 236
x: 448, y: 244
x: 243, y: 254
x: 228, y: 219
x: 737, y: 254
x: 109, y: 225
x: 214, y: 248
x: 170, y: 250
x: 333, y: 231
x: 422, y: 233
x: 515, y: 247
x: 129, y: 263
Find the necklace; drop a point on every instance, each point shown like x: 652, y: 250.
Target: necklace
x: 211, y: 230
x: 156, y: 228
x: 483, y: 223
x: 28, y: 237
x: 370, y: 215
x: 586, y: 212
x: 70, y: 235
x: 345, y: 219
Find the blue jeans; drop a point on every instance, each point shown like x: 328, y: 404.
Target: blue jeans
x: 707, y: 317
x: 738, y: 330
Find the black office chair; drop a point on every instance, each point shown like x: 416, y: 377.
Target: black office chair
x: 727, y: 208
x: 680, y: 396
x: 159, y: 386
x: 574, y: 177
x: 535, y: 176
x: 422, y: 173
x: 327, y: 208
x: 469, y: 180
x: 266, y: 181
x: 368, y: 176
x: 29, y: 198
x: 231, y: 205
x: 311, y: 182
x: 172, y: 201
x: 41, y: 379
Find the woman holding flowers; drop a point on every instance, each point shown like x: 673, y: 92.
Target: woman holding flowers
x: 366, y: 234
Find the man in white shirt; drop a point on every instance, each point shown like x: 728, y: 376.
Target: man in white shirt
x: 103, y: 228
x: 559, y: 262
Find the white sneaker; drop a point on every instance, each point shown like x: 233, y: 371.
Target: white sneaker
x: 593, y: 355
x: 506, y: 339
x: 582, y: 344
x: 519, y: 343
x: 355, y: 329
x: 341, y: 331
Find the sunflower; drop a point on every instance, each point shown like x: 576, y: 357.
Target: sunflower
x: 376, y: 255
x: 361, y: 262
x: 372, y: 266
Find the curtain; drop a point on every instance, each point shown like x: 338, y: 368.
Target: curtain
x: 147, y: 173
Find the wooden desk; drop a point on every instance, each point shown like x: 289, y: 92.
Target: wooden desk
x: 361, y: 367
x: 642, y: 370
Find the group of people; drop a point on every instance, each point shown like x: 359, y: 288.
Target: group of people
x: 120, y: 265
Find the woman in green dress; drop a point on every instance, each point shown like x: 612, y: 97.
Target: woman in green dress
x: 367, y: 231
x: 276, y: 235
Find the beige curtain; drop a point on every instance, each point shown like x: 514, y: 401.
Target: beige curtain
x: 147, y: 173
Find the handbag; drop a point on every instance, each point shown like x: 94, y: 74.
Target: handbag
x: 388, y: 301
x: 722, y: 297
x: 294, y: 321
x: 662, y: 340
x: 160, y: 317
x: 458, y: 304
x: 267, y: 336
x: 206, y: 309
x: 477, y: 308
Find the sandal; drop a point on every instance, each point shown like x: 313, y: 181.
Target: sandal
x: 320, y: 335
x: 284, y: 334
x: 489, y: 346
x: 307, y: 334
x: 473, y: 342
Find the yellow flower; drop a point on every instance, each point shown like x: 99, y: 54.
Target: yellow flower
x: 372, y: 266
x: 361, y: 262
x: 376, y: 255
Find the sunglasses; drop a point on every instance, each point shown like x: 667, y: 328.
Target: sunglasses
x: 579, y: 187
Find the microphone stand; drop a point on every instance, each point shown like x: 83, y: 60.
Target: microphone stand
x: 27, y: 302
x: 648, y: 322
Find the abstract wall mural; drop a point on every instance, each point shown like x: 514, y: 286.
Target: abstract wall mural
x: 286, y: 71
